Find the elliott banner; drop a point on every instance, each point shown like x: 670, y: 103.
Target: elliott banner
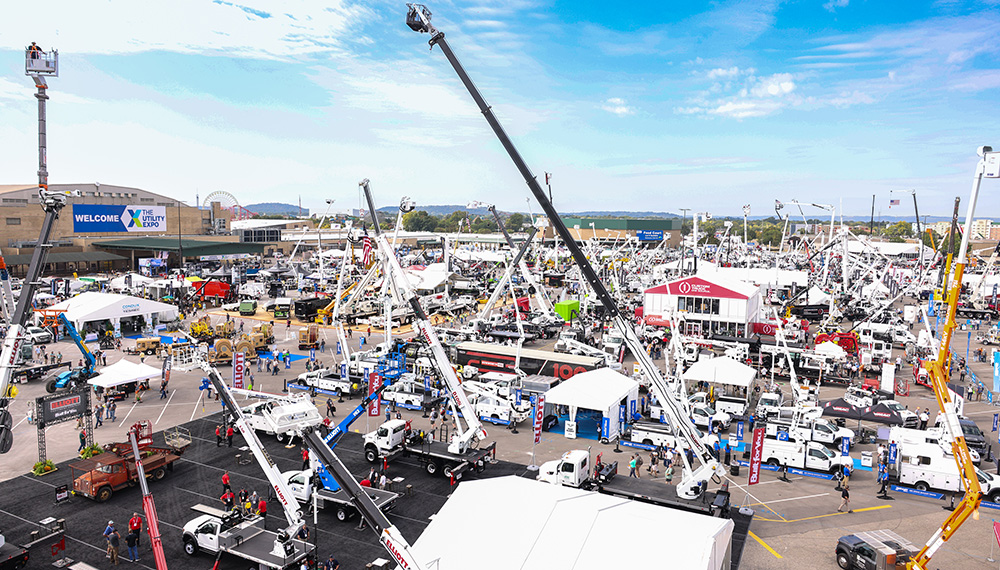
x: 539, y: 415
x: 238, y: 369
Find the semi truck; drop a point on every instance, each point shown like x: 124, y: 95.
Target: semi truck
x: 100, y: 476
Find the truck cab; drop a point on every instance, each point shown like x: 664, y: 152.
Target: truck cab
x: 387, y: 437
x: 202, y: 533
x: 769, y: 404
x: 248, y: 307
x: 874, y: 550
x: 572, y: 470
x: 707, y: 417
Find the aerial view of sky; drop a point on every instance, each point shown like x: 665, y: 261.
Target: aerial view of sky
x: 641, y: 106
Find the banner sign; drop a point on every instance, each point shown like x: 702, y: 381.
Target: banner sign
x: 539, y: 416
x: 756, y: 452
x: 996, y: 421
x: 167, y: 364
x: 239, y: 369
x: 649, y: 235
x: 95, y: 218
x: 374, y: 408
x: 739, y: 431
x: 845, y: 446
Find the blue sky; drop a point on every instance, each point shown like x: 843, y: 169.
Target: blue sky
x: 632, y: 106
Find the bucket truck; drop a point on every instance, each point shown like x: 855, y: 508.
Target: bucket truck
x: 393, y: 437
x: 694, y: 480
x: 216, y: 531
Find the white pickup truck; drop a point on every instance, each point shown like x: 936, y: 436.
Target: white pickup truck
x: 818, y: 430
x: 296, y: 411
x: 732, y: 405
x: 803, y: 455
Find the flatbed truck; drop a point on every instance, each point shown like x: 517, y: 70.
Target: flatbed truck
x: 216, y: 531
x: 301, y: 484
x: 396, y: 437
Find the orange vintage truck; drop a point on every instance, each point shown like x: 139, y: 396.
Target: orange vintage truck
x: 103, y: 474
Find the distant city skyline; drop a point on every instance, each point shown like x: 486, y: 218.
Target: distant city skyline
x: 645, y: 106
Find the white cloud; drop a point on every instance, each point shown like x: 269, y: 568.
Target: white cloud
x: 774, y: 86
x: 724, y: 72
x: 617, y: 106
x: 832, y: 5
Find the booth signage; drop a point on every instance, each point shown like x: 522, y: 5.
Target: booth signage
x: 100, y: 218
x: 238, y: 369
x: 649, y: 235
x: 539, y: 416
x: 756, y: 453
x: 845, y: 446
x: 375, y: 407
x: 64, y: 407
x: 570, y: 430
x: 739, y: 431
x: 62, y: 493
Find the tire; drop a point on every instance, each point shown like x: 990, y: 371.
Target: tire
x: 447, y: 471
x: 190, y: 546
x: 995, y: 497
x: 647, y: 441
x: 371, y: 454
x: 843, y: 561
x: 103, y: 494
x: 432, y: 468
x: 922, y: 486
x: 50, y: 386
x: 159, y: 474
x: 149, y: 352
x: 343, y: 514
x: 280, y: 436
x: 773, y: 461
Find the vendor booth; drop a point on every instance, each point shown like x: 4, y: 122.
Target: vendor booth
x: 595, y: 402
x: 708, y: 305
x: 117, y: 381
x: 92, y: 312
x: 726, y: 381
x: 556, y: 527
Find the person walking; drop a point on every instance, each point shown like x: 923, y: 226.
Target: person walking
x: 97, y: 416
x: 229, y: 436
x: 225, y: 482
x: 218, y: 436
x: 305, y: 458
x: 132, y: 542
x: 668, y: 474
x: 330, y: 408
x: 113, y: 406
x: 83, y: 440
x: 163, y: 390
x: 845, y: 499
x: 631, y: 467
x: 925, y: 417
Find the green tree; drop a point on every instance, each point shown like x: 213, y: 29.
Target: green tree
x: 515, y: 222
x: 419, y: 221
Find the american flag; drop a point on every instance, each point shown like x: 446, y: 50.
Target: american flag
x: 893, y: 203
x: 366, y: 256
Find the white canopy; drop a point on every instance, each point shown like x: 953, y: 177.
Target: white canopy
x: 832, y: 350
x: 816, y: 296
x: 123, y: 372
x: 118, y: 283
x: 602, y: 389
x: 565, y: 528
x: 91, y: 306
x: 721, y: 370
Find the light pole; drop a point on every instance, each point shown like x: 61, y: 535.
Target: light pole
x: 746, y: 213
x: 684, y: 213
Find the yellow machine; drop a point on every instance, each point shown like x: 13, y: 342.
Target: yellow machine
x: 147, y: 345
x: 266, y: 331
x: 969, y: 506
x: 202, y: 328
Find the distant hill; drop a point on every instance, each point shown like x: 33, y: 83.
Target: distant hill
x: 276, y: 208
x: 448, y: 209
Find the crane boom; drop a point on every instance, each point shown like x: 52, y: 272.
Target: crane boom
x: 969, y: 506
x: 148, y: 506
x: 693, y: 481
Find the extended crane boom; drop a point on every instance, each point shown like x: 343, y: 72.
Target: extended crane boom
x: 693, y: 481
x: 148, y: 506
x: 969, y: 506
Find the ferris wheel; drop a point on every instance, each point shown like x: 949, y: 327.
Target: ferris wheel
x: 228, y: 203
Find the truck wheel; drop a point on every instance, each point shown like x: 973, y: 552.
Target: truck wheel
x: 646, y: 441
x: 103, y: 494
x: 280, y: 436
x: 432, y: 468
x: 995, y: 497
x: 922, y: 486
x: 447, y: 471
x: 190, y: 546
x: 50, y: 386
x: 343, y: 514
x: 773, y: 461
x: 159, y: 474
x: 371, y: 454
x: 149, y: 352
x: 843, y: 561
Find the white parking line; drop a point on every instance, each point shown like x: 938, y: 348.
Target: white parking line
x: 127, y: 414
x: 195, y: 410
x: 794, y: 498
x: 19, y: 423
x: 165, y: 406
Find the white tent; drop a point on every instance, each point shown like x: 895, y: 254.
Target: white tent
x: 567, y: 529
x: 832, y: 350
x: 601, y: 390
x: 119, y: 283
x: 721, y: 370
x: 816, y: 296
x: 95, y: 307
x: 123, y: 372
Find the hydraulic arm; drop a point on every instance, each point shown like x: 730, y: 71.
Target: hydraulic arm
x: 148, y: 506
x: 939, y: 376
x: 693, y: 481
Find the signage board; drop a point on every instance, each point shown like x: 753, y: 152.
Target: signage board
x: 649, y: 235
x: 102, y: 218
x: 64, y: 407
x: 375, y: 406
x: 756, y: 452
x: 570, y: 431
x: 539, y: 416
x: 239, y: 369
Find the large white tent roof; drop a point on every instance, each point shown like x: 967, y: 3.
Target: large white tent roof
x: 721, y: 370
x: 564, y: 528
x: 92, y: 306
x: 123, y: 372
x: 599, y: 389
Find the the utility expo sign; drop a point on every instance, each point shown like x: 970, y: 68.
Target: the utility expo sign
x: 95, y: 218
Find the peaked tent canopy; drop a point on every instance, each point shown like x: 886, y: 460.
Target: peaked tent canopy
x: 601, y: 390
x: 92, y: 307
x: 721, y: 370
x: 123, y: 372
x: 560, y: 527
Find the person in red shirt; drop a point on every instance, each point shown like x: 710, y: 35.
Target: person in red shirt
x: 225, y: 483
x: 218, y: 436
x: 305, y: 458
x: 262, y: 511
x: 135, y: 526
x: 229, y: 435
x: 229, y: 499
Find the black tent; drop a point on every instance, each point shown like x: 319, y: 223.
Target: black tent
x: 882, y: 414
x: 841, y: 408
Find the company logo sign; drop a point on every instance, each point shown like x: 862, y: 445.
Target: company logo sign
x: 100, y: 218
x: 756, y: 453
x: 238, y: 369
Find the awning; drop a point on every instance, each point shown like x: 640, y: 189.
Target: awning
x: 64, y: 257
x: 91, y: 306
x: 602, y: 389
x: 191, y: 247
x: 123, y: 372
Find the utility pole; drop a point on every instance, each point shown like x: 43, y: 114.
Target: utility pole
x: 684, y: 213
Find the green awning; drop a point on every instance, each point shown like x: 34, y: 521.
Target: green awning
x: 64, y: 257
x: 191, y: 247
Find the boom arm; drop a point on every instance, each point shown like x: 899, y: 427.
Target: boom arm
x: 88, y: 357
x: 148, y: 506
x: 939, y: 377
x: 502, y: 284
x: 693, y: 481
x: 460, y: 443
